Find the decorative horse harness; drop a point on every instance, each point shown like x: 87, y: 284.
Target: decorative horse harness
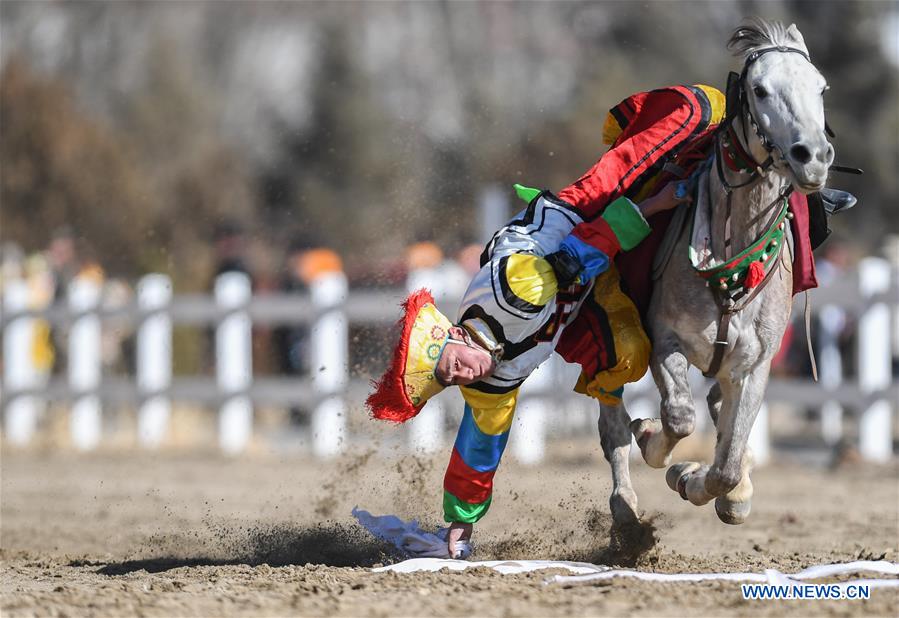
x: 739, y: 280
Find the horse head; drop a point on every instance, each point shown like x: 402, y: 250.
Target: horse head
x: 782, y: 103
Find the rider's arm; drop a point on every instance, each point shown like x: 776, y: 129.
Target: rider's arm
x: 584, y: 256
x: 658, y: 122
x: 468, y: 483
x: 621, y: 227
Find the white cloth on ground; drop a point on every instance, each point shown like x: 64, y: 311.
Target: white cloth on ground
x: 506, y: 567
x: 409, y: 538
x: 585, y: 573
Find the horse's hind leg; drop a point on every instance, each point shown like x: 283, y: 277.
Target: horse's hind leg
x: 615, y: 438
x: 657, y: 438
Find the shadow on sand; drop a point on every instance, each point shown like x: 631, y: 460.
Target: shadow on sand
x: 276, y: 545
x: 342, y: 545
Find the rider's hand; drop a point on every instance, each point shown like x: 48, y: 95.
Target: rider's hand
x: 457, y: 531
x: 565, y: 266
x: 673, y: 194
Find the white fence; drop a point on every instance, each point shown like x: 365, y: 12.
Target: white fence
x: 870, y: 294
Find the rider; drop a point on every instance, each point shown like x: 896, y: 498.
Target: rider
x: 535, y: 282
x: 538, y: 291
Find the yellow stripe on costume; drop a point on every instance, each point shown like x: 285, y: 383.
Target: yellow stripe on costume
x: 610, y: 129
x: 632, y: 346
x: 492, y: 413
x: 649, y: 188
x: 531, y: 278
x: 717, y: 100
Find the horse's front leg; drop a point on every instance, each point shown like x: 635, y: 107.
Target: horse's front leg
x: 727, y: 479
x: 615, y: 438
x: 657, y: 438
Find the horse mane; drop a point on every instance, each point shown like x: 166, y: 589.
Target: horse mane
x: 756, y: 33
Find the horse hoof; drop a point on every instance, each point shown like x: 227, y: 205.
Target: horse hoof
x: 677, y: 476
x: 733, y: 513
x: 648, y: 432
x: 643, y: 428
x: 623, y: 505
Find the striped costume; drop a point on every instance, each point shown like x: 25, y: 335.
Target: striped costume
x: 513, y: 302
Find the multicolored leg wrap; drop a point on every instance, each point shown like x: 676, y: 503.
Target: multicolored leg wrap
x: 482, y: 438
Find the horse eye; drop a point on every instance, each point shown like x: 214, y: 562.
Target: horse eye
x: 760, y: 92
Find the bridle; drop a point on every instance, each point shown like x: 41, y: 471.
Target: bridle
x: 738, y: 107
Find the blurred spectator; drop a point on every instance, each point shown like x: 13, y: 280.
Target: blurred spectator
x: 230, y: 250
x: 291, y: 341
x: 833, y: 262
x: 793, y: 358
x: 315, y: 263
x: 428, y: 268
x: 40, y: 291
x: 90, y: 270
x: 118, y: 345
x: 63, y: 259
x: 469, y: 258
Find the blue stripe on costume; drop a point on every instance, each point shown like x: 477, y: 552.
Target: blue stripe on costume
x: 593, y: 261
x: 479, y: 451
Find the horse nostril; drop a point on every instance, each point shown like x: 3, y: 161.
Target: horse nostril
x: 800, y: 153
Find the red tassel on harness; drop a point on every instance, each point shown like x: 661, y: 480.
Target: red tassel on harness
x: 754, y: 276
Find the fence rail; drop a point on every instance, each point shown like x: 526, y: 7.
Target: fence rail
x: 871, y: 293
x: 361, y: 307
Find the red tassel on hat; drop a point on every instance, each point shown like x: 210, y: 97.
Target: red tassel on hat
x: 390, y: 402
x: 754, y: 276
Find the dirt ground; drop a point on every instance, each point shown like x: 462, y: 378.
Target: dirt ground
x: 198, y: 535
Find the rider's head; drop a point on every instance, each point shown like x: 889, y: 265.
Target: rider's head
x: 429, y: 346
x: 463, y: 360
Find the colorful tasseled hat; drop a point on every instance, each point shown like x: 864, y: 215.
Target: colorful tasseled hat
x: 409, y: 382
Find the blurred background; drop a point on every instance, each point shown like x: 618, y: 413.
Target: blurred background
x: 210, y: 210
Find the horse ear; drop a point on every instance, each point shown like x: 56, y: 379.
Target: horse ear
x: 796, y: 36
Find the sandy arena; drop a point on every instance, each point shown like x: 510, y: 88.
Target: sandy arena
x: 179, y: 535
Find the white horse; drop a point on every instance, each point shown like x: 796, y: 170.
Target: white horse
x: 720, y: 323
